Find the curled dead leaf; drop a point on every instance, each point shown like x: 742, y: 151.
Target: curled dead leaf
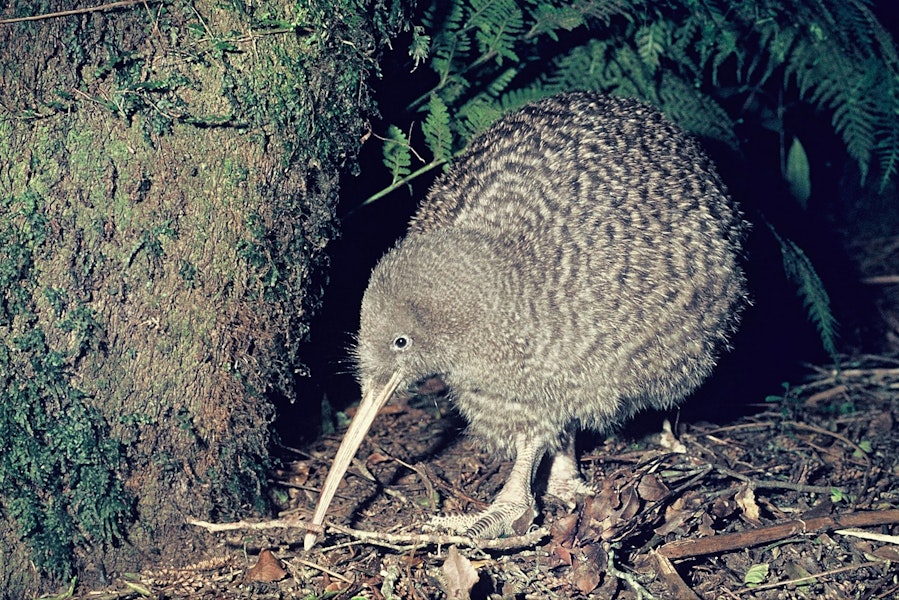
x: 460, y: 575
x: 651, y: 489
x: 564, y: 530
x: 267, y: 568
x: 376, y: 458
x: 746, y: 501
x: 587, y: 568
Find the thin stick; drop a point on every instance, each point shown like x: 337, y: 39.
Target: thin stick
x: 321, y: 568
x: 518, y: 541
x: 762, y: 535
x: 775, y: 485
x: 798, y: 580
x: 881, y: 279
x: 77, y: 11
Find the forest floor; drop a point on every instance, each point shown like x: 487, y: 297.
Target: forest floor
x: 799, y: 500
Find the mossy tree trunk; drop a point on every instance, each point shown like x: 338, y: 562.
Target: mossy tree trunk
x: 168, y: 181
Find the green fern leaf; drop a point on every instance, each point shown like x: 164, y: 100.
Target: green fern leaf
x: 450, y: 43
x: 515, y: 99
x: 478, y: 115
x: 497, y: 24
x: 550, y: 19
x: 583, y: 67
x: 694, y: 110
x: 397, y: 154
x: 855, y: 120
x: 832, y: 78
x: 652, y: 40
x: 436, y: 128
x: 502, y: 81
x: 810, y: 288
x: 887, y: 152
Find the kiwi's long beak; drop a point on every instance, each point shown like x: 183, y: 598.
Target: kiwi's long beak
x: 373, y: 398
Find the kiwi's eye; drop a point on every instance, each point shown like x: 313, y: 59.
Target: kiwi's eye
x: 401, y: 342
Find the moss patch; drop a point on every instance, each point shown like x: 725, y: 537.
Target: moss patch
x: 169, y: 179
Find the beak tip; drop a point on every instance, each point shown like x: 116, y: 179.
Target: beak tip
x: 309, y: 541
x: 372, y: 401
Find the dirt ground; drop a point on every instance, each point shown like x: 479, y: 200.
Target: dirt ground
x: 710, y: 513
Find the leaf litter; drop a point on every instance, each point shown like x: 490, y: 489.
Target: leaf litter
x: 796, y: 501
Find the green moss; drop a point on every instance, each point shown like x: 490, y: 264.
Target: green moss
x: 58, y: 467
x: 170, y: 209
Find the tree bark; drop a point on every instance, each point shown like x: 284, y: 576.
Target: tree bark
x: 168, y: 178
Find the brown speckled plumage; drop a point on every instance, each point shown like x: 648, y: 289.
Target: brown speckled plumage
x: 577, y: 264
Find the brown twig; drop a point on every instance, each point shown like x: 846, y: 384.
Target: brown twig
x: 677, y: 587
x: 766, y: 484
x: 881, y: 279
x: 78, y: 11
x: 764, y: 535
x: 798, y: 580
x: 318, y: 567
x: 518, y: 541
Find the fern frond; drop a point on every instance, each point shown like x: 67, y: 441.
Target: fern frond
x: 583, y: 67
x: 515, y: 99
x: 652, y: 40
x: 800, y: 271
x: 628, y: 76
x: 775, y: 43
x: 477, y: 115
x: 450, y: 44
x: 419, y: 47
x: 855, y: 120
x: 502, y: 81
x: 397, y: 153
x: 436, y: 129
x: 829, y: 79
x: 690, y: 57
x: 887, y: 152
x: 604, y: 11
x: 550, y: 19
x: 695, y: 110
x: 497, y: 23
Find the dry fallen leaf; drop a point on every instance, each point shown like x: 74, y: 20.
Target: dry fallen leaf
x: 668, y: 440
x: 587, y: 568
x: 746, y: 501
x: 890, y: 553
x: 267, y: 568
x: 564, y: 530
x: 675, y: 515
x: 651, y: 489
x: 460, y: 575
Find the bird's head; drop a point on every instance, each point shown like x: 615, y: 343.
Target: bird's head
x: 424, y: 313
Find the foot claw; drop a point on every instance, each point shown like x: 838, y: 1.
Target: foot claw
x: 500, y: 519
x: 566, y: 483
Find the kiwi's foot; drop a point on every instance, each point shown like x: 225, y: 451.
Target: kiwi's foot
x: 500, y: 519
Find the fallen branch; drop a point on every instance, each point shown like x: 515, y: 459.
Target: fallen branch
x: 519, y: 541
x: 676, y: 586
x: 764, y: 535
x: 77, y: 11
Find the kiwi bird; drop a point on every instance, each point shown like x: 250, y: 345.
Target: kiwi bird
x: 578, y: 263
